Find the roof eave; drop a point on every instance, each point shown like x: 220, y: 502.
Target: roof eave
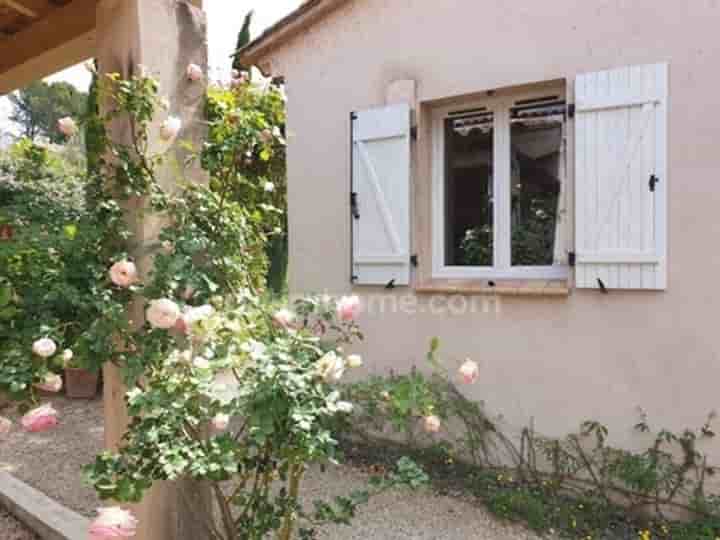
x: 308, y: 14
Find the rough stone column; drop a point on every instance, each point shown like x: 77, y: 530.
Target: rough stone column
x: 164, y: 36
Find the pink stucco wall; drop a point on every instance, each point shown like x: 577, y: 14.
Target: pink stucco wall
x: 559, y: 360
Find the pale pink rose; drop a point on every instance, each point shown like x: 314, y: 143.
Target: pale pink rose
x: 354, y: 361
x: 331, y: 367
x: 431, y: 424
x: 40, y: 419
x: 162, y: 313
x: 284, y: 318
x: 51, y: 383
x: 194, y: 72
x: 113, y: 523
x: 220, y: 422
x: 386, y: 396
x: 266, y: 136
x: 44, y: 347
x: 123, y: 274
x: 5, y: 426
x: 67, y: 356
x: 348, y: 307
x: 469, y: 371
x: 67, y: 126
x: 170, y: 128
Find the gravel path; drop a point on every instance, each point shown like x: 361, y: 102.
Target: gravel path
x: 10, y: 529
x: 51, y: 462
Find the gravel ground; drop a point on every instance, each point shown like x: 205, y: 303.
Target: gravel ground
x: 51, y: 462
x: 10, y: 529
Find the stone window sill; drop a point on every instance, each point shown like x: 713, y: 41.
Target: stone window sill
x: 551, y: 288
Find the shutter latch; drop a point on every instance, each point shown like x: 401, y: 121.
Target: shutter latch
x: 654, y: 180
x: 354, y: 205
x: 572, y: 258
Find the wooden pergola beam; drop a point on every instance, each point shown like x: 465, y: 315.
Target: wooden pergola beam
x: 60, y: 29
x: 20, y: 8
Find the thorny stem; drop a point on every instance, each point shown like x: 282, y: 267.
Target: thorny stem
x: 296, y: 474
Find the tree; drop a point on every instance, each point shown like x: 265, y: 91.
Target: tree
x: 38, y: 107
x: 244, y: 39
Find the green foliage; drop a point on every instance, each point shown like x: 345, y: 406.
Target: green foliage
x: 244, y: 38
x: 579, y: 486
x: 245, y: 156
x: 38, y: 108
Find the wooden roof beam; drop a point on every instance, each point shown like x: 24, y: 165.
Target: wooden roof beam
x: 20, y: 8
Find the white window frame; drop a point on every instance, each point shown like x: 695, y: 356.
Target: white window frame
x: 502, y: 269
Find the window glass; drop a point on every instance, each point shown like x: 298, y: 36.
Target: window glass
x: 469, y: 189
x: 536, y: 140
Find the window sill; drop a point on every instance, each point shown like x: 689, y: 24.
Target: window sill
x: 551, y: 288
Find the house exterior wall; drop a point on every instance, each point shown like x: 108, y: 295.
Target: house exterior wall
x: 556, y: 361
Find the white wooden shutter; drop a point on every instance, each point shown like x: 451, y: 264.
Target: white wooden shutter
x: 620, y: 144
x: 381, y: 196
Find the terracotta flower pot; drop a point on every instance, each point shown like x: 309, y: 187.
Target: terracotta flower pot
x: 81, y: 383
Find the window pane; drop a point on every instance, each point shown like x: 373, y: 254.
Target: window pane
x: 468, y: 190
x: 536, y: 175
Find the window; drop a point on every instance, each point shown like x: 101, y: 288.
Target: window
x: 499, y: 188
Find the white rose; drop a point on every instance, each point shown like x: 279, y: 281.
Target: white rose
x: 344, y: 407
x: 170, y: 128
x: 67, y: 126
x: 269, y: 187
x: 162, y: 313
x: 354, y: 361
x: 331, y: 367
x: 44, y: 347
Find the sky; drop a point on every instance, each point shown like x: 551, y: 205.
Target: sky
x: 225, y: 19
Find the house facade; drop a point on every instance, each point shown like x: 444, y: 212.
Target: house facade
x: 533, y: 183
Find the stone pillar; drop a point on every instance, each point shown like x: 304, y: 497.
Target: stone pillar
x: 164, y: 36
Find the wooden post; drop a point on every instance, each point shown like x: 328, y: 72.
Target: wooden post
x: 164, y: 36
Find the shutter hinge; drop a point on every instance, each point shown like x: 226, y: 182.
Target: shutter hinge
x: 414, y: 133
x: 414, y: 260
x: 353, y: 116
x: 353, y: 279
x: 654, y: 180
x: 354, y: 205
x: 572, y: 258
x: 571, y: 110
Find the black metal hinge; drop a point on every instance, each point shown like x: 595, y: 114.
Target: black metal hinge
x: 414, y: 133
x: 354, y: 205
x: 654, y: 181
x: 414, y: 260
x: 571, y: 110
x: 572, y: 258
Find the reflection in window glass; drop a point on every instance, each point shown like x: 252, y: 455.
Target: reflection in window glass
x: 536, y: 169
x: 468, y: 190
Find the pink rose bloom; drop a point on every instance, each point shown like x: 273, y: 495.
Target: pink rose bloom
x: 469, y: 371
x: 220, y: 422
x: 170, y: 128
x: 162, y: 313
x: 44, y: 347
x: 348, y: 307
x: 113, y: 523
x: 40, y: 419
x: 5, y: 426
x: 266, y: 136
x: 284, y: 318
x: 431, y: 424
x: 52, y: 383
x: 67, y: 126
x: 194, y: 72
x: 123, y: 274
